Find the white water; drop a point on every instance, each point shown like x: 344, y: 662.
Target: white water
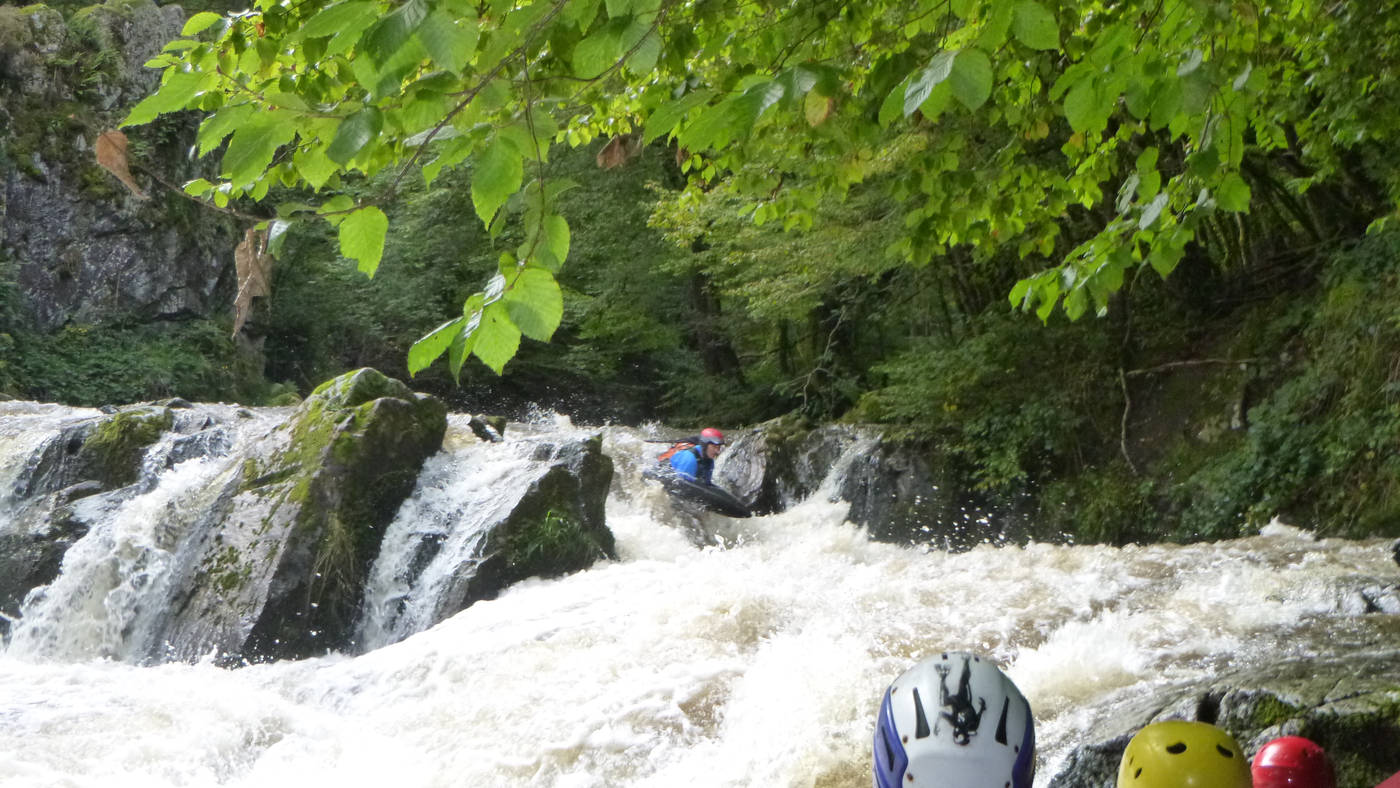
x: 758, y: 664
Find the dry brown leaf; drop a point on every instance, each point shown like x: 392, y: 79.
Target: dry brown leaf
x: 111, y: 155
x: 254, y: 267
x: 620, y: 150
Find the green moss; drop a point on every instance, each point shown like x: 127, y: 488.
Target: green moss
x: 226, y: 571
x: 114, y: 449
x: 1269, y: 710
x: 1364, y: 747
x: 553, y: 543
x: 338, y: 567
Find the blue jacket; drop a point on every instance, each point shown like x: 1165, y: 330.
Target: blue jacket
x: 693, y: 464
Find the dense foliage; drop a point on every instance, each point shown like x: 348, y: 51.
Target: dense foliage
x: 822, y: 208
x: 1087, y: 139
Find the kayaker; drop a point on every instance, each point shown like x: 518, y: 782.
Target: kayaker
x: 694, y: 459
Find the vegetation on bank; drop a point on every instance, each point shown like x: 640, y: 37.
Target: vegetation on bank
x: 1261, y: 377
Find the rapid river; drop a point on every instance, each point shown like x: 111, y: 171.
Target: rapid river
x: 758, y: 662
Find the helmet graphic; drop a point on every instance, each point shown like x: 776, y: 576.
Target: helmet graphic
x: 711, y: 435
x: 1292, y: 761
x: 954, y: 720
x: 1181, y: 754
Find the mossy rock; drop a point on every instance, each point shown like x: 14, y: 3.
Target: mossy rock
x: 1349, y: 706
x: 353, y: 452
x: 112, y: 452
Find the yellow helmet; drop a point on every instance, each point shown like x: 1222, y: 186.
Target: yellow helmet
x: 1181, y: 754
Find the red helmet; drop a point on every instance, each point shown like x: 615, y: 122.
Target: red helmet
x: 1292, y: 762
x: 712, y: 435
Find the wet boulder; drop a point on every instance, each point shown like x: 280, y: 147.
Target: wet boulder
x: 276, y: 567
x: 542, y: 516
x: 1355, y: 718
x: 904, y: 490
x: 556, y: 527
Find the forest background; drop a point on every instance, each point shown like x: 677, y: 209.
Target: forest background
x: 1203, y: 329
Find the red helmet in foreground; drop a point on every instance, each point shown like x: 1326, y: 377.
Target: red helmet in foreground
x: 1292, y: 762
x: 712, y: 435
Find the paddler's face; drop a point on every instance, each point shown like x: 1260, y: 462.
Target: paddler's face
x: 712, y: 450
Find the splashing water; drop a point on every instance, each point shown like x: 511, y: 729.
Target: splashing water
x: 757, y: 664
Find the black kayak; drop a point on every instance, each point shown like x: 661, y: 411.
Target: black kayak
x: 708, y: 496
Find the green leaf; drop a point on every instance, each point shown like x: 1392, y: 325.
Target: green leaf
x: 176, y: 93
x: 998, y: 21
x: 383, y: 41
x: 1152, y: 211
x: 334, y: 19
x: 462, y: 345
x: 971, y: 78
x: 1233, y: 194
x: 1126, y: 193
x: 253, y: 146
x: 497, y: 175
x: 647, y: 52
x: 362, y: 238
x: 426, y: 350
x: 755, y: 101
x: 453, y: 152
x: 199, y: 23
x: 535, y: 303
x: 354, y: 133
x: 336, y: 208
x: 1082, y: 107
x: 404, y: 62
x: 597, y: 53
x: 1203, y: 163
x: 451, y: 43
x: 1034, y: 26
x: 1167, y: 103
x: 665, y: 118
x: 497, y: 338
x: 314, y: 166
x: 277, y: 236
x: 926, y: 80
x: 892, y: 108
x: 556, y: 238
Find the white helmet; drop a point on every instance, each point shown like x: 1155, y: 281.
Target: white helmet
x: 954, y: 720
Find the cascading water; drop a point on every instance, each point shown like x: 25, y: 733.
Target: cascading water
x: 757, y: 663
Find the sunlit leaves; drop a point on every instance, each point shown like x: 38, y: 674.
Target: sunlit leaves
x: 918, y: 90
x: 427, y: 350
x: 1233, y: 194
x: 361, y: 236
x: 496, y: 175
x: 496, y: 337
x: 354, y: 133
x: 347, y: 19
x: 450, y: 42
x: 252, y: 146
x: 971, y: 78
x: 535, y: 303
x: 175, y: 93
x: 984, y: 122
x: 390, y: 33
x: 1035, y: 26
x: 200, y: 22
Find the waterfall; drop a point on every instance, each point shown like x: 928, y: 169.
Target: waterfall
x: 757, y: 658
